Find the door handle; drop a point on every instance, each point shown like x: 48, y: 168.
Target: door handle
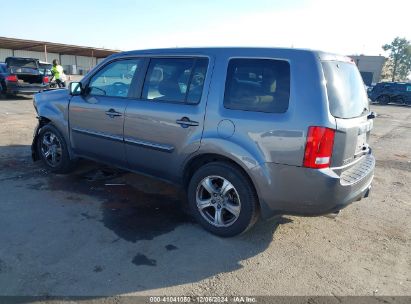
x: 185, y: 122
x: 112, y: 113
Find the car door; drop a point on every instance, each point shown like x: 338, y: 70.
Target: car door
x: 165, y: 124
x: 97, y: 116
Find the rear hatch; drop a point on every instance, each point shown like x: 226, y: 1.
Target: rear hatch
x: 26, y: 70
x: 349, y: 105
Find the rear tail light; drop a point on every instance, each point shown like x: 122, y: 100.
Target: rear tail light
x: 319, y: 147
x: 46, y: 79
x: 11, y: 78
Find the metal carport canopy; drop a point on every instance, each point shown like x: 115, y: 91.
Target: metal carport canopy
x: 51, y: 47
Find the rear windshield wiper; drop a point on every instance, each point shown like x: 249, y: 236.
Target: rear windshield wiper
x: 364, y: 111
x: 372, y: 115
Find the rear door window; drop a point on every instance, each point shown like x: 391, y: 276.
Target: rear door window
x: 179, y: 80
x: 261, y: 85
x: 345, y: 89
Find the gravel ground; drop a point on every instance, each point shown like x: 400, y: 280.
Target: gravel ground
x: 78, y: 235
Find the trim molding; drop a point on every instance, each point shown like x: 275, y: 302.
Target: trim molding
x: 149, y: 145
x: 130, y: 141
x: 97, y: 134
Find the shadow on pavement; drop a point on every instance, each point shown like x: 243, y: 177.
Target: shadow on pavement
x: 16, y: 97
x: 102, y: 231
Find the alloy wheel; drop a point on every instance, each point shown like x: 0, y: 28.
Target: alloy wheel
x: 218, y: 201
x: 51, y: 149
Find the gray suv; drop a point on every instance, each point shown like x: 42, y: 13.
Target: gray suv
x: 245, y: 131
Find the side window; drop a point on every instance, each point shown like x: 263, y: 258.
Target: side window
x: 261, y: 85
x: 114, y: 80
x: 197, y: 81
x: 408, y: 89
x: 175, y: 79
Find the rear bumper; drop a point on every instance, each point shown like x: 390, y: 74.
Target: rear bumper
x: 13, y: 88
x: 294, y: 190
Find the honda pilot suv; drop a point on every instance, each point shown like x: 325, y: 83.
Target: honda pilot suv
x: 247, y: 132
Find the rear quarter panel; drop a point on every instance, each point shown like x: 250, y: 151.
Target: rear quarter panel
x: 269, y: 137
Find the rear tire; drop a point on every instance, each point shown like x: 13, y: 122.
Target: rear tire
x: 222, y: 199
x: 2, y: 91
x: 383, y: 99
x: 52, y: 149
x: 401, y: 101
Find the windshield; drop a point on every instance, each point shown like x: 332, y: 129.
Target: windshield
x: 345, y: 88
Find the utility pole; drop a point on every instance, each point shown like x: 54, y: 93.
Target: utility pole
x: 45, y: 53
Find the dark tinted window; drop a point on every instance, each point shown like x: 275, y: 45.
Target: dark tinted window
x: 21, y: 62
x: 346, y: 93
x: 261, y: 85
x: 175, y: 79
x: 3, y: 68
x: 115, y: 78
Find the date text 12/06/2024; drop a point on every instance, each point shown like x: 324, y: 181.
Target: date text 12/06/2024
x: 202, y: 299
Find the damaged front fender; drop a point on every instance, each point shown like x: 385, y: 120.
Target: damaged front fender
x: 51, y: 107
x: 34, y: 150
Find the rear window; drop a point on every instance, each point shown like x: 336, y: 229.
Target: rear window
x: 22, y: 62
x: 345, y: 88
x: 261, y: 85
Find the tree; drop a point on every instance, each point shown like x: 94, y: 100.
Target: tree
x: 399, y: 57
x: 386, y: 73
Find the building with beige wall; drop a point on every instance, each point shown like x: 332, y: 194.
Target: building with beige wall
x: 370, y: 67
x: 76, y: 60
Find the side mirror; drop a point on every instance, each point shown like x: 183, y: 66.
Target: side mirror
x: 75, y: 88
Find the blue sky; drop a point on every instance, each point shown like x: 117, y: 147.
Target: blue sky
x: 346, y: 27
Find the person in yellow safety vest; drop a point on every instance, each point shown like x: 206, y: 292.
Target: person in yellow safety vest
x: 58, y: 74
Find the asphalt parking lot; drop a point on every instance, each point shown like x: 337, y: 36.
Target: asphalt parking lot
x: 101, y: 231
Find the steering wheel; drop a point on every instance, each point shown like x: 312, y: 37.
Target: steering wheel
x: 120, y: 88
x: 90, y: 89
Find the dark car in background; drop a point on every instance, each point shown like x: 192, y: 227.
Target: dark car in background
x: 22, y: 76
x: 386, y: 92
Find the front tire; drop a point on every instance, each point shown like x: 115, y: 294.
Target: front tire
x: 222, y: 199
x: 52, y: 149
